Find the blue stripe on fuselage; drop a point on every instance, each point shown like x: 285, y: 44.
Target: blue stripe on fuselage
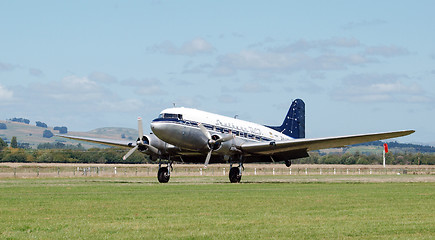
x: 249, y: 136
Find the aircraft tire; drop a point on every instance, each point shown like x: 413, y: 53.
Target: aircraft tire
x: 234, y: 175
x: 163, y: 175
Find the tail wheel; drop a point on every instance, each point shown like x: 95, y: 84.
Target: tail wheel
x: 163, y: 175
x: 235, y: 175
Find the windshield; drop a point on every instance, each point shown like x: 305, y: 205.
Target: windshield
x: 171, y: 116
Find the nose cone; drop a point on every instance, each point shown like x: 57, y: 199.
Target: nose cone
x: 156, y: 127
x: 160, y: 129
x: 165, y: 131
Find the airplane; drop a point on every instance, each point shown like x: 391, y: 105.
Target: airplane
x: 189, y: 135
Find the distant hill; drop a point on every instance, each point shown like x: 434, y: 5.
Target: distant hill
x: 128, y: 133
x: 33, y: 135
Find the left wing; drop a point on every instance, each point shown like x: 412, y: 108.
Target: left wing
x: 290, y: 146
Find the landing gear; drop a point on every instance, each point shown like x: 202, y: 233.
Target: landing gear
x: 236, y: 173
x: 288, y: 163
x: 164, y: 173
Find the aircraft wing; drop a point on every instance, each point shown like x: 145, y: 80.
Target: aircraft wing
x: 110, y: 142
x: 309, y: 144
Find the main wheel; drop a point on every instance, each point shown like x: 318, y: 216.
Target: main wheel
x: 235, y: 175
x: 163, y: 175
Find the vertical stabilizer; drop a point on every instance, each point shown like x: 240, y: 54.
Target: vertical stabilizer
x: 294, y: 122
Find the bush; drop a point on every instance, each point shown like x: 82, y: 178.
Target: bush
x: 21, y: 120
x: 62, y: 130
x: 14, y: 142
x: 47, y: 134
x: 3, y: 126
x: 2, y: 144
x: 16, y: 156
x: 41, y: 124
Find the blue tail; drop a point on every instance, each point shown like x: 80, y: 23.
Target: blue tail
x: 294, y: 122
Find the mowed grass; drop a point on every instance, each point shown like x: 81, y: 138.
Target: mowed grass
x: 210, y: 208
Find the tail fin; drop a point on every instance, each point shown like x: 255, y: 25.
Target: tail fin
x: 294, y: 122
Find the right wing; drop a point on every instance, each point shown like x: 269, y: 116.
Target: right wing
x: 110, y: 142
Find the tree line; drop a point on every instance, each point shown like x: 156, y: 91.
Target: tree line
x: 93, y: 155
x: 59, y: 152
x: 391, y: 158
x: 114, y: 155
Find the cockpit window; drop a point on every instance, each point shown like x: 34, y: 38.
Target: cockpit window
x: 171, y: 116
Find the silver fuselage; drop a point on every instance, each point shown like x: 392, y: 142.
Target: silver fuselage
x: 179, y: 127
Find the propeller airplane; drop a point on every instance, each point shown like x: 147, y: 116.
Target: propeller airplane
x: 192, y: 136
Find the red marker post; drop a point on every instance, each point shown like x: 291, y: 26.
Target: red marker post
x: 385, y: 151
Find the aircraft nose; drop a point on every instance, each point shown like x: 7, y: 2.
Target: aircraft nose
x: 153, y: 126
x: 156, y: 127
x: 160, y: 129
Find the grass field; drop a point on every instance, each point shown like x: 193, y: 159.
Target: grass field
x: 263, y: 207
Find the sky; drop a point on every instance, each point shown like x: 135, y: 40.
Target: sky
x: 360, y: 66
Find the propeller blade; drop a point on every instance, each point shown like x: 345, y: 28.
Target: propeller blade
x: 226, y: 138
x: 140, y: 129
x: 153, y: 149
x: 130, y: 152
x: 204, y: 131
x: 207, y: 159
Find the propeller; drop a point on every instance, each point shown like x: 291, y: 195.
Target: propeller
x: 140, y: 142
x: 212, y: 142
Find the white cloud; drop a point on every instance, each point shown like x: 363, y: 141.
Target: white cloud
x: 363, y: 23
x: 36, y: 72
x: 7, y: 66
x: 379, y: 88
x: 102, y: 77
x: 190, y: 68
x: 322, y: 45
x: 69, y: 91
x: 189, y: 101
x: 386, y: 51
x: 146, y: 86
x: 253, y: 87
x: 77, y: 89
x: 191, y: 48
x: 223, y: 71
x: 250, y: 60
x: 121, y: 105
x: 75, y: 96
x: 332, y: 54
x: 5, y: 94
x: 227, y: 98
x: 150, y: 90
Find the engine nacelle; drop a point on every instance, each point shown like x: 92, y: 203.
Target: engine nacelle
x: 223, y: 147
x: 155, y: 142
x: 302, y: 153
